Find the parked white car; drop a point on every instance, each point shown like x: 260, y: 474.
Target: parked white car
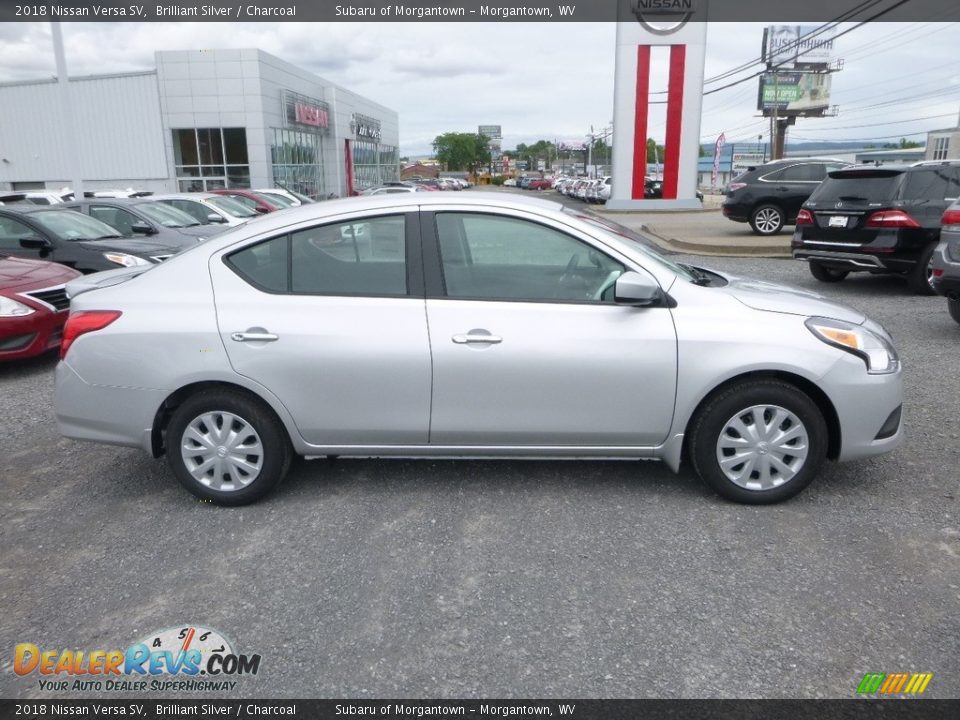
x: 209, y: 207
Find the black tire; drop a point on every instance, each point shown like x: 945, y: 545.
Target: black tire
x: 271, y: 452
x: 919, y: 277
x: 709, y: 429
x: 767, y: 219
x: 953, y: 307
x: 827, y: 274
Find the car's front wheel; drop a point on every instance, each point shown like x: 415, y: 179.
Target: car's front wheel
x: 758, y: 442
x: 767, y: 219
x: 226, y: 447
x: 827, y: 274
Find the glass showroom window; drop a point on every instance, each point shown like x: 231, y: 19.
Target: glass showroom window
x: 297, y: 158
x: 373, y: 164
x: 211, y: 158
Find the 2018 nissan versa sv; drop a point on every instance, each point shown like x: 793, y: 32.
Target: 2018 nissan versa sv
x: 478, y: 326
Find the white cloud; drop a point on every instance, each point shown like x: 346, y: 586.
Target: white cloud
x: 537, y: 80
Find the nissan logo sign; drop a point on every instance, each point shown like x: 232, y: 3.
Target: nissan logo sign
x: 662, y: 17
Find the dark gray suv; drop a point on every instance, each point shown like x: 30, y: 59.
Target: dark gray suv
x: 769, y: 196
x: 945, y: 268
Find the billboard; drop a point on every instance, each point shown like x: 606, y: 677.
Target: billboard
x: 790, y: 46
x: 491, y: 131
x: 794, y: 93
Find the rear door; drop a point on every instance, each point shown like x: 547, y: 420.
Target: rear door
x: 333, y: 323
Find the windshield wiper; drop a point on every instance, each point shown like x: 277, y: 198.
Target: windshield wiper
x: 105, y: 237
x: 699, y: 276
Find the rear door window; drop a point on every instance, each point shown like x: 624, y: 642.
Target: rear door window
x: 934, y: 184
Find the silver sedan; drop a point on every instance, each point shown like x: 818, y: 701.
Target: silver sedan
x: 467, y: 326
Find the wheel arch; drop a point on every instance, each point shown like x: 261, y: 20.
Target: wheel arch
x: 162, y: 417
x: 819, y: 398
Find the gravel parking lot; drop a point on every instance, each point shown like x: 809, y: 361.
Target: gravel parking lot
x: 369, y: 578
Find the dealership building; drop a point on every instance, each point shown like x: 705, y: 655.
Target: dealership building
x: 202, y: 119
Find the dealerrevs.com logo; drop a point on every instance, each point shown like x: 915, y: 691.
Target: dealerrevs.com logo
x: 188, y: 658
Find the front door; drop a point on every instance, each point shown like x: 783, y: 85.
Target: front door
x: 529, y: 347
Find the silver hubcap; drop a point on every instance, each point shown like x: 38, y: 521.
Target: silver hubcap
x: 222, y: 451
x: 767, y: 220
x: 762, y: 447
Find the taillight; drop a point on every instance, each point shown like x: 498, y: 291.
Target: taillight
x: 804, y: 217
x: 83, y: 322
x: 951, y: 217
x: 891, y: 219
x: 735, y: 186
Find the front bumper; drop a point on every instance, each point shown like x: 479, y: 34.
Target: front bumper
x: 866, y: 407
x: 30, y: 335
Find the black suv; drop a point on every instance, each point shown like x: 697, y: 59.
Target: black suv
x: 769, y: 196
x: 879, y: 219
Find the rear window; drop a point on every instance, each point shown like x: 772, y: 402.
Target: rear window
x: 861, y: 186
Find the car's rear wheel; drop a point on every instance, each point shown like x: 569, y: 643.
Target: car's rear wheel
x: 226, y: 447
x: 767, y: 219
x: 758, y: 442
x: 920, y: 278
x: 825, y: 273
x: 953, y: 306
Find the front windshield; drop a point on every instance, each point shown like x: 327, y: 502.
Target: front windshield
x: 231, y: 207
x: 635, y: 240
x: 167, y: 215
x: 71, y: 225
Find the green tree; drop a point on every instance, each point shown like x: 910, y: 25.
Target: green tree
x: 907, y: 144
x: 654, y: 151
x: 462, y: 151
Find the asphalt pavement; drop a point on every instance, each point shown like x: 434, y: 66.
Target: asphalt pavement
x: 424, y: 578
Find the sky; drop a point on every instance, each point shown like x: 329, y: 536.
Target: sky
x: 550, y: 81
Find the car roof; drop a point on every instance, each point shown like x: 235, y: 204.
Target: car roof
x: 185, y: 196
x: 28, y: 209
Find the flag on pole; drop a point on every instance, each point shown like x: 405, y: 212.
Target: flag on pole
x: 717, y: 149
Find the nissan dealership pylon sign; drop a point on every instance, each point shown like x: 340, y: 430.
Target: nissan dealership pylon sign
x: 663, y: 30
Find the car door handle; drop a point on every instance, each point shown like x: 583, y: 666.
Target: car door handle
x: 254, y: 337
x: 471, y: 338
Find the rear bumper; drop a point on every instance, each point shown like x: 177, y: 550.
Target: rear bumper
x: 101, y: 413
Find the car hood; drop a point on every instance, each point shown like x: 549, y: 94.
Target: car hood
x: 773, y: 297
x: 23, y: 272
x: 142, y: 248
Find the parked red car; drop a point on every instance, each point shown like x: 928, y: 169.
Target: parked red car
x: 261, y: 202
x: 540, y: 184
x: 33, y: 306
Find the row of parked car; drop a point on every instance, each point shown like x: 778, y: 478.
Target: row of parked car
x: 418, y: 184
x: 883, y: 219
x: 48, y: 239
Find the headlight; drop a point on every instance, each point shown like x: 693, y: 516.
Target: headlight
x: 874, y: 349
x: 11, y: 308
x: 125, y: 260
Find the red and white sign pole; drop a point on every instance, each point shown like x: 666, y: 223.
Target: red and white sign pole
x: 684, y: 92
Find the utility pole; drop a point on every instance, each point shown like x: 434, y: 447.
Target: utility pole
x: 63, y: 85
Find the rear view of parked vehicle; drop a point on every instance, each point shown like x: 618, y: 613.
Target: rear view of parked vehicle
x: 883, y: 219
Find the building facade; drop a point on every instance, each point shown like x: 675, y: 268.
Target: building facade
x: 201, y: 120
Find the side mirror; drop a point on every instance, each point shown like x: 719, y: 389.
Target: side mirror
x: 216, y: 218
x: 34, y: 243
x: 141, y: 228
x: 633, y: 288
